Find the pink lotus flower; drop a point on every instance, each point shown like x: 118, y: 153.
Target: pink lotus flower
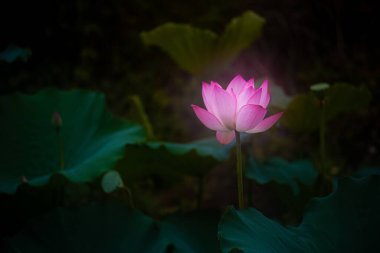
x: 240, y: 108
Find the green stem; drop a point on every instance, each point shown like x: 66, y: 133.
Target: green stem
x: 61, y: 152
x: 239, y: 171
x: 322, y: 138
x: 143, y: 117
x: 200, y: 192
x: 249, y: 193
x: 130, y: 196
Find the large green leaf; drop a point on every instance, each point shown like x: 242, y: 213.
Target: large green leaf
x: 344, y: 98
x: 192, y: 233
x: 109, y: 228
x: 117, y: 228
x: 172, y: 159
x: 92, y: 139
x: 191, y: 48
x: 197, y: 50
x: 345, y: 221
x: 238, y: 35
x: 282, y: 172
x: 204, y: 148
x: 304, y: 111
x: 302, y: 114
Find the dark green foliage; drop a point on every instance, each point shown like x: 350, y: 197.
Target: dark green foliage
x: 344, y: 98
x: 304, y: 111
x: 192, y: 233
x: 345, y: 221
x: 117, y: 228
x: 172, y: 159
x: 197, y: 50
x: 90, y: 139
x: 282, y: 172
x: 97, y: 228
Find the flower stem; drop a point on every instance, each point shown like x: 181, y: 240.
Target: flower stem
x: 200, y: 192
x: 60, y: 149
x: 130, y: 196
x: 239, y: 171
x: 322, y: 138
x: 143, y: 116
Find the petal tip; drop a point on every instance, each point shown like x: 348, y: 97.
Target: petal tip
x: 205, y: 83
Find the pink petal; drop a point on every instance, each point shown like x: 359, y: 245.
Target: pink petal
x: 237, y: 84
x: 251, y: 82
x: 255, y: 98
x: 264, y: 94
x: 225, y: 107
x: 215, y: 84
x: 208, y: 119
x: 266, y: 101
x: 208, y: 96
x: 249, y: 116
x: 266, y: 123
x: 225, y: 137
x: 244, y: 96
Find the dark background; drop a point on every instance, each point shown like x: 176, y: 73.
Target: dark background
x: 93, y: 44
x: 96, y: 44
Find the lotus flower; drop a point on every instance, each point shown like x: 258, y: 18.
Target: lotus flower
x: 241, y: 107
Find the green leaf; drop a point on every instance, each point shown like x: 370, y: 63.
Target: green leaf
x: 239, y: 34
x: 111, y: 181
x: 189, y: 47
x: 345, y: 221
x: 192, y: 233
x: 197, y: 50
x: 282, y: 172
x: 117, y: 228
x: 172, y: 159
x: 345, y: 98
x: 90, y: 140
x: 302, y: 114
x: 109, y: 228
x: 304, y: 111
x: 204, y: 148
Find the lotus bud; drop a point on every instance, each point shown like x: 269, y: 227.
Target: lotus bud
x: 56, y: 120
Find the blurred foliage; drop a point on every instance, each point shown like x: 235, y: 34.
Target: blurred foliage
x: 122, y: 229
x: 330, y: 224
x: 282, y: 172
x: 88, y: 143
x: 302, y: 114
x: 170, y: 161
x: 304, y: 111
x: 199, y: 51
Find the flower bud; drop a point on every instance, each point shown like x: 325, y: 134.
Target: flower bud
x: 56, y: 120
